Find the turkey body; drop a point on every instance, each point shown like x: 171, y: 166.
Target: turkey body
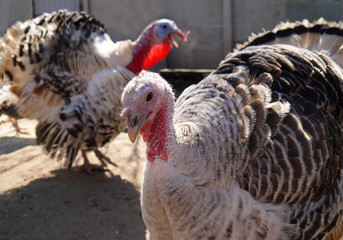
x: 253, y: 151
x: 64, y: 70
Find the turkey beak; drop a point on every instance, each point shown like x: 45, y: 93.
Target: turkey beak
x: 173, y: 41
x: 181, y: 35
x: 135, y: 125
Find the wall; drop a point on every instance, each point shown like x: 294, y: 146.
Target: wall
x: 12, y: 11
x: 215, y: 25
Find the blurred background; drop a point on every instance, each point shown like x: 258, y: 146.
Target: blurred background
x: 215, y: 25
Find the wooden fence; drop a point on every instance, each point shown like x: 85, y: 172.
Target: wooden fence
x: 215, y: 25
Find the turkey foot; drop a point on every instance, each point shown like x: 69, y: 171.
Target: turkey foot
x: 87, y: 166
x: 103, y: 159
x: 16, y: 127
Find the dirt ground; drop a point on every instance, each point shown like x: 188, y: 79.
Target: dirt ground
x: 42, y: 199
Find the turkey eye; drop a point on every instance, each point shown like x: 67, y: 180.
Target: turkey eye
x: 164, y: 26
x: 149, y: 97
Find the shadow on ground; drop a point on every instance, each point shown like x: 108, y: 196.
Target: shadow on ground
x: 12, y: 144
x: 72, y: 205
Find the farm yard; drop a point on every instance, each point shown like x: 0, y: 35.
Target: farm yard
x: 42, y: 199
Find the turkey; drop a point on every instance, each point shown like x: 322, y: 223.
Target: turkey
x: 254, y: 150
x: 64, y: 70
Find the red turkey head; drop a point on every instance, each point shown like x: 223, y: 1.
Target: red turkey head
x: 154, y: 44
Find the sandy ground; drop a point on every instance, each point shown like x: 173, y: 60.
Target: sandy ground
x: 41, y: 199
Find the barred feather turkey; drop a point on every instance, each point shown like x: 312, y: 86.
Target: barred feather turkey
x: 64, y: 70
x: 254, y: 150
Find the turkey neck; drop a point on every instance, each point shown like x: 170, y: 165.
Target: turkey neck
x: 145, y: 53
x: 160, y: 132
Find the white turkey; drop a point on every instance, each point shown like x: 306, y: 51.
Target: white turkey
x: 64, y: 70
x: 253, y: 151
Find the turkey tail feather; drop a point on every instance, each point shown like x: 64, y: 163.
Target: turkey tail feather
x: 27, y: 45
x: 57, y: 142
x: 319, y: 35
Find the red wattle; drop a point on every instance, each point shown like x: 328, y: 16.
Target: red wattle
x: 155, y: 134
x: 156, y: 54
x: 146, y: 56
